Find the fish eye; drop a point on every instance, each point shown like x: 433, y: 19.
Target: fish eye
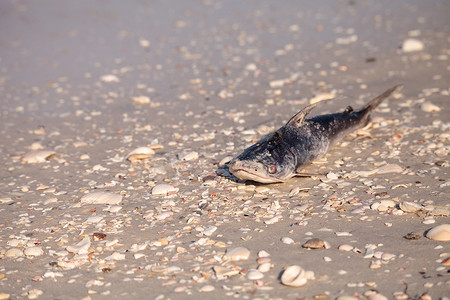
x: 272, y: 169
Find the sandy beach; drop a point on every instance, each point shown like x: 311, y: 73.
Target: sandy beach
x: 118, y: 118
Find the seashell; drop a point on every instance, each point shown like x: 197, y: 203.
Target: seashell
x: 33, y: 251
x: 287, y: 240
x: 314, y: 244
x: 265, y: 267
x: 430, y: 107
x: 410, y: 207
x: 377, y: 297
x: 98, y: 236
x: 238, y: 253
x: 345, y: 247
x: 94, y: 219
x: 207, y: 288
x: 101, y: 198
x: 163, y: 189
x: 190, y: 156
x: 221, y: 271
x: 412, y: 45
x: 294, y: 276
x: 263, y: 253
x: 254, y: 274
x: 209, y: 230
x: 140, y: 153
x: 141, y: 100
x: 439, y: 233
x: 164, y: 215
x: 38, y: 156
x: 81, y: 248
x: 109, y: 78
x: 116, y: 256
x: 14, y: 252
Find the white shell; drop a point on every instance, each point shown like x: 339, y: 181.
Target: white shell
x: 238, y: 253
x: 14, y: 252
x: 141, y: 100
x: 81, y: 248
x: 163, y: 189
x: 39, y: 156
x: 109, y: 78
x: 345, y: 247
x: 410, y: 207
x: 412, y: 45
x: 140, y: 153
x: 265, y: 267
x: 294, y: 276
x: 440, y: 233
x: 254, y: 274
x: 33, y: 251
x: 190, y: 156
x: 287, y: 240
x: 207, y: 288
x: 101, y: 198
x: 430, y: 107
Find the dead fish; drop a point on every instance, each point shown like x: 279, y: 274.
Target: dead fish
x: 282, y: 154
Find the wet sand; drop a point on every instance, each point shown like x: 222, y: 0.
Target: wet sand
x: 198, y: 82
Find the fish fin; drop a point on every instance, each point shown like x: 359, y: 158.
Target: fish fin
x: 299, y: 117
x: 348, y: 110
x: 377, y: 100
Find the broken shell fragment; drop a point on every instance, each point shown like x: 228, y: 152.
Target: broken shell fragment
x: 430, y: 107
x: 238, y: 253
x: 163, y: 189
x: 101, y: 198
x: 314, y: 244
x: 141, y: 100
x: 440, y: 233
x: 81, y: 248
x: 410, y: 207
x: 33, y: 251
x: 296, y: 276
x: 140, y: 153
x: 38, y: 156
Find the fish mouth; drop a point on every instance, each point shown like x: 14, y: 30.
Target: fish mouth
x: 243, y: 173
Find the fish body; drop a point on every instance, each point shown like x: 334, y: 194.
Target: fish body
x: 283, y: 153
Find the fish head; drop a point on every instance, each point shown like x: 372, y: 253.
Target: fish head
x: 270, y: 160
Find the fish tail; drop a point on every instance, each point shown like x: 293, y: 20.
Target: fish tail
x: 376, y: 101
